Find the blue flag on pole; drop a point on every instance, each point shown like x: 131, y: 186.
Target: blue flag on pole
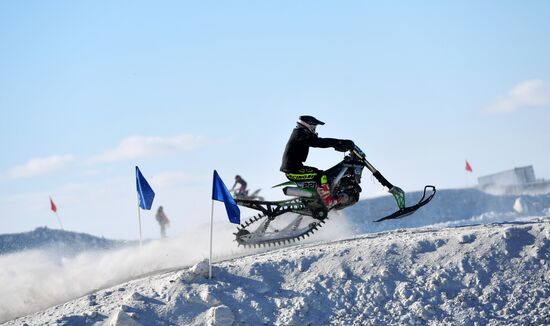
x: 220, y: 193
x: 145, y: 192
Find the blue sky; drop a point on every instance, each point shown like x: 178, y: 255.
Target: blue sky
x: 90, y: 89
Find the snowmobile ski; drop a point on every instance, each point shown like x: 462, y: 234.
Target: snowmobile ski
x: 405, y: 211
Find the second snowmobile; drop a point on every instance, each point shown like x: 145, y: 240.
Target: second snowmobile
x: 244, y: 195
x: 310, y: 211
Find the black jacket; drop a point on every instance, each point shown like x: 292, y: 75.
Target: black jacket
x: 297, y: 147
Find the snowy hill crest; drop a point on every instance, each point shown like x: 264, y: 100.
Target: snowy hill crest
x: 461, y: 275
x: 486, y: 274
x: 43, y: 237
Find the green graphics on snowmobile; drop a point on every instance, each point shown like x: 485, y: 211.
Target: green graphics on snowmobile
x: 399, y: 196
x: 301, y: 176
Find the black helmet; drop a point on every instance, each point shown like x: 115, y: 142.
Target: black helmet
x: 309, y: 122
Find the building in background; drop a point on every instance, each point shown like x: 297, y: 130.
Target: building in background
x: 517, y: 181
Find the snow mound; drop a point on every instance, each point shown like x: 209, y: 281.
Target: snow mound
x: 484, y: 274
x: 120, y: 318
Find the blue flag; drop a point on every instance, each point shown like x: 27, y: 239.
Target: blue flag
x: 145, y: 192
x: 220, y: 193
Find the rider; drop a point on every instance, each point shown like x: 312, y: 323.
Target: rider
x: 297, y: 149
x: 242, y: 183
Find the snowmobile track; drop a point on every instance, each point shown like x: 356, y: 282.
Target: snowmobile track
x: 280, y: 239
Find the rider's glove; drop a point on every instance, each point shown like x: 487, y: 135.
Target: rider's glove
x: 348, y: 144
x: 340, y: 148
x: 345, y: 145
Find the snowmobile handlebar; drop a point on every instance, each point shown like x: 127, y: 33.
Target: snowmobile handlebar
x: 359, y: 153
x: 397, y: 193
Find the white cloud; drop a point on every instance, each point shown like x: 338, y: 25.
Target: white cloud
x: 40, y: 166
x: 134, y: 147
x: 527, y: 94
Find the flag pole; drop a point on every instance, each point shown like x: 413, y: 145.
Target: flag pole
x: 59, y: 220
x: 145, y: 196
x: 139, y: 220
x: 211, y: 232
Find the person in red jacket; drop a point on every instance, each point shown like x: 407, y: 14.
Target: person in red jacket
x: 301, y: 139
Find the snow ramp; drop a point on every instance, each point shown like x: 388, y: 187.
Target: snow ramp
x: 495, y: 274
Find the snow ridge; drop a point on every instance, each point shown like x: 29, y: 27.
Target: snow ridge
x: 485, y: 274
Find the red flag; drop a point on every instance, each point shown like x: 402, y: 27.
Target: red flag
x: 52, y: 206
x: 468, y: 167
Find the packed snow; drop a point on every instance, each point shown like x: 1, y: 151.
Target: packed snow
x: 485, y: 275
x: 434, y: 267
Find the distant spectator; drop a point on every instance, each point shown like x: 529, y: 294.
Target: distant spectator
x: 163, y: 221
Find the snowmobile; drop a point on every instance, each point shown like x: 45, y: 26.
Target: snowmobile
x: 310, y: 212
x: 246, y: 196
